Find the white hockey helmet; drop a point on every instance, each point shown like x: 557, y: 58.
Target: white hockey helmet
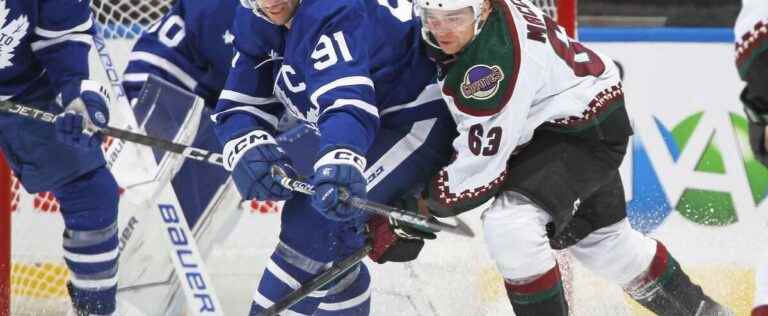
x: 424, y: 8
x: 255, y: 6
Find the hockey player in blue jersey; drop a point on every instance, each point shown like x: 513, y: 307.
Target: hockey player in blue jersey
x: 44, y: 54
x: 193, y: 52
x: 357, y: 72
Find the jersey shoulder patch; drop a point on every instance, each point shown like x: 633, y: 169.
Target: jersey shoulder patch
x: 482, y: 80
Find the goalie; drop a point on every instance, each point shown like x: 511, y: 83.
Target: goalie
x: 172, y: 49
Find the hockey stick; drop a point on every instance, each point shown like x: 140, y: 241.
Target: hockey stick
x: 430, y: 223
x: 460, y: 228
x: 116, y: 83
x: 317, y: 282
x: 186, y: 151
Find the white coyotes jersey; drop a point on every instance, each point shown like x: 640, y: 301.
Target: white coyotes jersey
x: 751, y: 33
x: 498, y: 95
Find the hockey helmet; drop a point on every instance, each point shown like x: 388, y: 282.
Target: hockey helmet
x: 439, y: 15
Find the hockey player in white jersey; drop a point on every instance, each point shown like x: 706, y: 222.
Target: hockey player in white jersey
x: 751, y: 34
x: 44, y: 54
x: 542, y: 130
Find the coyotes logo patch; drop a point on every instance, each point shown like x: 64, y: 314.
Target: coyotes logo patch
x: 481, y: 82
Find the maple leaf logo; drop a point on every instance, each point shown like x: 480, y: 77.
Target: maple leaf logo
x: 10, y: 34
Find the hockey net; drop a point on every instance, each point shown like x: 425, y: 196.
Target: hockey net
x: 32, y: 270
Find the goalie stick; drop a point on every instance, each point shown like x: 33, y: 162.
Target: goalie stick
x: 336, y: 270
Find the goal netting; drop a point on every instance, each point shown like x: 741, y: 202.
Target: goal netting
x: 32, y: 271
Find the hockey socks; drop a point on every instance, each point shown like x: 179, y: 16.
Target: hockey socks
x: 287, y: 270
x: 541, y: 296
x: 665, y: 289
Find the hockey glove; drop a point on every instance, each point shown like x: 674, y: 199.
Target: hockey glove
x: 250, y: 158
x: 338, y: 176
x: 396, y: 241
x: 86, y: 112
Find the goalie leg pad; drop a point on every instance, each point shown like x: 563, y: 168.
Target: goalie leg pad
x: 517, y: 238
x: 89, y: 208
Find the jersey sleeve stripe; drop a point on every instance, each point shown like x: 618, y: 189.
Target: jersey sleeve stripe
x: 166, y: 65
x: 244, y: 98
x: 341, y: 82
x: 360, y: 104
x: 269, y: 118
x: 430, y: 94
x: 84, y: 38
x: 54, y: 34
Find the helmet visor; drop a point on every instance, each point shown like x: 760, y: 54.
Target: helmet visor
x: 439, y: 21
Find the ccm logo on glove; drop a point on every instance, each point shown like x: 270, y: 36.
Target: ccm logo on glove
x: 234, y: 150
x: 342, y: 157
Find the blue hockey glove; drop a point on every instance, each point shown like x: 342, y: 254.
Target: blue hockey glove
x: 250, y: 158
x: 86, y: 112
x: 339, y: 170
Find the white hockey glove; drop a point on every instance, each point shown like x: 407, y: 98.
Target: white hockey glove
x: 86, y: 111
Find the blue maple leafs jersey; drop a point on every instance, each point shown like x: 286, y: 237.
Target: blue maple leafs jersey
x: 44, y: 45
x: 345, y: 66
x: 191, y: 47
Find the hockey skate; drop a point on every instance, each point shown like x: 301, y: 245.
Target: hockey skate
x: 712, y: 308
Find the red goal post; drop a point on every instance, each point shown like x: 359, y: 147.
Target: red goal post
x: 563, y: 11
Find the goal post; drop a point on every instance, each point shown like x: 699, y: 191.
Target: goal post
x: 5, y: 237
